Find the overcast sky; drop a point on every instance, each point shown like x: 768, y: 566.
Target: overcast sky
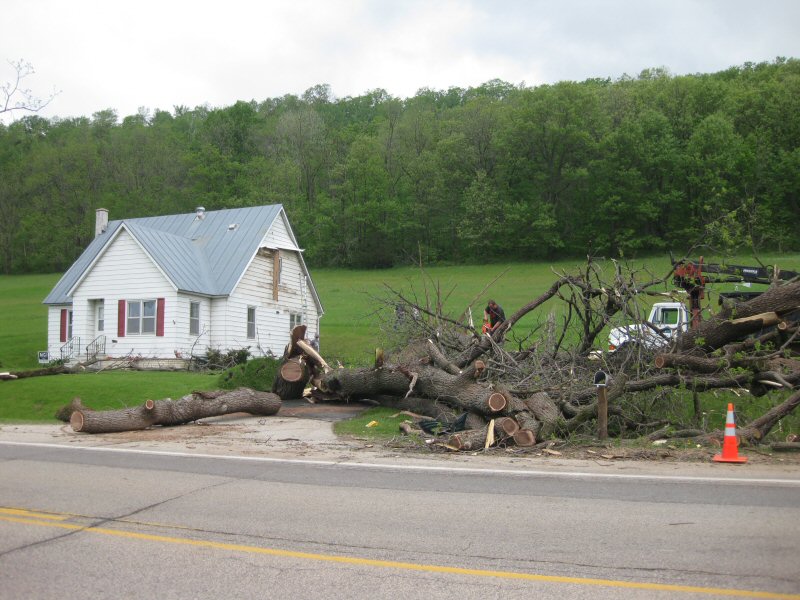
x: 123, y: 54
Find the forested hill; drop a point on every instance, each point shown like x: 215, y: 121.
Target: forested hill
x: 631, y: 166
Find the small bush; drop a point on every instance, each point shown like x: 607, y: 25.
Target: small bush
x: 258, y: 374
x: 215, y: 359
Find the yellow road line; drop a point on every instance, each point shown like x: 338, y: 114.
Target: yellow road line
x: 21, y: 512
x: 406, y: 566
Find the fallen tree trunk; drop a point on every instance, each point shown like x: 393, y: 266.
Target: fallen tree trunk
x: 757, y: 430
x: 197, y: 405
x: 720, y: 330
x: 460, y: 391
x: 474, y: 439
x: 56, y: 370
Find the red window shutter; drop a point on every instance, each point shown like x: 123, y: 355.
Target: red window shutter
x: 63, y: 325
x: 121, y: 318
x: 160, y: 317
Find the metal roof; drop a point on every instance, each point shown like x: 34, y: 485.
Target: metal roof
x: 205, y: 255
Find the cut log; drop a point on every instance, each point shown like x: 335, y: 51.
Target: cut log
x: 786, y: 446
x: 291, y: 379
x: 546, y: 412
x: 524, y: 438
x: 505, y: 427
x: 473, y: 439
x: 459, y: 391
x: 528, y: 421
x: 497, y: 402
x: 176, y: 412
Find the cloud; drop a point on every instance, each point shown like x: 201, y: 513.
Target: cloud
x: 160, y: 54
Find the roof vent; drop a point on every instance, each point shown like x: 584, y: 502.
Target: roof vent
x: 200, y: 212
x: 233, y: 227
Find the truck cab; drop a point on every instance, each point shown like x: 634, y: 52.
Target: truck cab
x: 669, y: 318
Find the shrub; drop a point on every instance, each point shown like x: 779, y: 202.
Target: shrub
x: 258, y: 374
x: 216, y: 359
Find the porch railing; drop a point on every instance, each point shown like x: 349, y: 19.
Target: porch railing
x: 71, y: 348
x: 97, y: 346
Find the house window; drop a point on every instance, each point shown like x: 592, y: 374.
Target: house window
x: 295, y: 319
x: 141, y: 317
x: 194, y: 318
x: 69, y: 325
x: 101, y: 316
x: 251, y: 322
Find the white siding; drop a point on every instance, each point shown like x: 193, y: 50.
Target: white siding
x: 125, y: 272
x: 272, y: 318
x: 278, y: 235
x: 192, y: 345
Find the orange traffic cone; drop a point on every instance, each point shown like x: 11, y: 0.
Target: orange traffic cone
x: 730, y: 446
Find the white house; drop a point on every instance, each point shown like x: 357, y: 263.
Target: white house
x: 171, y: 287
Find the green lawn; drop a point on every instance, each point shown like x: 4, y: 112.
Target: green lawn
x: 349, y: 329
x: 38, y: 398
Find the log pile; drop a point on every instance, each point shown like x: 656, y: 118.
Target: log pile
x: 529, y: 395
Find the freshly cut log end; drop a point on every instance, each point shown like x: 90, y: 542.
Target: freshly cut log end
x: 524, y: 437
x: 497, y: 402
x: 660, y: 361
x: 76, y: 421
x: 292, y: 371
x: 149, y: 404
x: 505, y: 426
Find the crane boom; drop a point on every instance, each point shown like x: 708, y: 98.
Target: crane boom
x: 693, y: 276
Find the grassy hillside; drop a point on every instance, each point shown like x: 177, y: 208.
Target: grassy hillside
x: 353, y: 301
x: 23, y: 319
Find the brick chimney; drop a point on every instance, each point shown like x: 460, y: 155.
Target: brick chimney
x: 100, y: 221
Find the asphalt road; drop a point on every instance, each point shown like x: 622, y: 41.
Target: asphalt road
x: 95, y: 523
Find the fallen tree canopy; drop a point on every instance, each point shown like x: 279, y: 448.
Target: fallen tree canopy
x: 543, y: 388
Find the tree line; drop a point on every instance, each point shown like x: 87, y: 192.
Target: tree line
x: 632, y: 166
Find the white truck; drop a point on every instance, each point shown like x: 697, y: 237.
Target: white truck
x: 669, y: 318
